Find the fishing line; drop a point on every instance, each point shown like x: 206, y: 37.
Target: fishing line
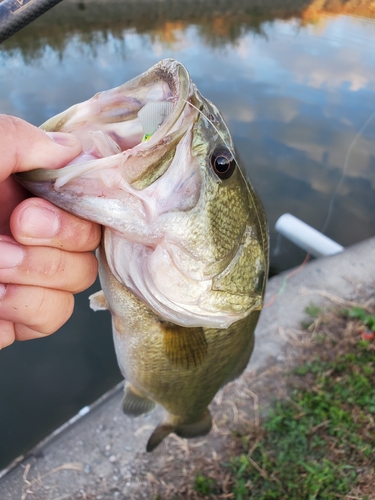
x: 331, y: 203
x: 307, y: 258
x: 285, y: 281
x: 346, y: 163
x: 330, y: 208
x: 213, y: 125
x: 234, y: 157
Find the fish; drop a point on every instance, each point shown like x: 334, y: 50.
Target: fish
x: 183, y: 259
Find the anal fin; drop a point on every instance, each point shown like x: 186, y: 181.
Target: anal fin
x: 134, y: 404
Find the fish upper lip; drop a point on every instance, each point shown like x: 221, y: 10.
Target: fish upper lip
x: 182, y: 98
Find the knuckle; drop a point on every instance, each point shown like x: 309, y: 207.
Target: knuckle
x: 9, y: 124
x: 9, y: 128
x: 65, y: 270
x: 41, y: 304
x: 54, y: 308
x: 57, y: 267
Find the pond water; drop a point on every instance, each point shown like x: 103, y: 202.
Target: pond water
x: 296, y: 85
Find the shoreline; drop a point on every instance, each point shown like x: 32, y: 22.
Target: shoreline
x: 100, y: 445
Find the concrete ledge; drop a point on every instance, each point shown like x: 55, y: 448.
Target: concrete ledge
x: 103, y: 445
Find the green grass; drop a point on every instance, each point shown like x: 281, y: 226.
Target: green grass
x: 310, y: 444
x: 361, y: 314
x: 313, y: 310
x: 205, y: 485
x: 318, y: 443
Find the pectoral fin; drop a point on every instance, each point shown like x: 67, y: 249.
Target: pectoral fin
x: 134, y: 404
x: 98, y: 302
x: 184, y: 347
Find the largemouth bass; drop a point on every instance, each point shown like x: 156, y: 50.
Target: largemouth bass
x: 183, y: 259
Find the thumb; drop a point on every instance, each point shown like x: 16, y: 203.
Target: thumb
x: 25, y: 147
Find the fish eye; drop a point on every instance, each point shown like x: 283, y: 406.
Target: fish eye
x: 222, y: 162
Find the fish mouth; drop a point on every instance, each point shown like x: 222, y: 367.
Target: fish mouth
x: 126, y: 132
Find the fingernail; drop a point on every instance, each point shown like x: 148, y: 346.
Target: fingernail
x: 11, y: 255
x: 3, y: 289
x: 68, y: 140
x: 39, y: 222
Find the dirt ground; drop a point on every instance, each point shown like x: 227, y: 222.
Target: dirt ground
x: 102, y: 457
x: 237, y: 412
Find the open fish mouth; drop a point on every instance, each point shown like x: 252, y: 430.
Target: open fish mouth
x: 125, y: 132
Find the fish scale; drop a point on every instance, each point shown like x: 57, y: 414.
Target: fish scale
x: 183, y: 260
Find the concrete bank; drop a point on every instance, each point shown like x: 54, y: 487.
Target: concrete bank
x: 102, y: 454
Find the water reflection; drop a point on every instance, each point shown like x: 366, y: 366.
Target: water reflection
x: 295, y: 86
x: 220, y: 22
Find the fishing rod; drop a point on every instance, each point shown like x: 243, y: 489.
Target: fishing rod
x: 15, y: 14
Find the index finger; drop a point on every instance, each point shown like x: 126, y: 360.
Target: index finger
x: 36, y: 222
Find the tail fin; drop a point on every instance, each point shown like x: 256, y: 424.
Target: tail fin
x: 200, y: 427
x: 161, y: 431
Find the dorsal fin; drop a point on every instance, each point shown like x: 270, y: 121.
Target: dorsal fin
x: 184, y: 347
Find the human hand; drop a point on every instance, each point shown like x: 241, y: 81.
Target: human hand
x: 45, y: 253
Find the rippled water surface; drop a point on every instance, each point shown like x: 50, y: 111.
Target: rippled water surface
x: 296, y: 86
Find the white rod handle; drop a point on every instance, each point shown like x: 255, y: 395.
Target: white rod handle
x: 306, y: 237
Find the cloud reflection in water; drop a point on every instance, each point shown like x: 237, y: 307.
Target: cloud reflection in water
x: 294, y: 96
